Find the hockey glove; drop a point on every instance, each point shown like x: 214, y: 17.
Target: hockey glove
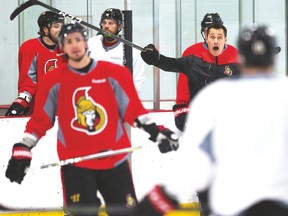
x: 167, y: 140
x: 20, y: 105
x: 150, y: 55
x: 18, y: 163
x: 180, y: 114
x: 155, y: 203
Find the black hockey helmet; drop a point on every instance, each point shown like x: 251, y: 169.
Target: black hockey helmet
x: 70, y: 28
x: 257, y: 45
x: 112, y: 13
x: 209, y: 19
x: 46, y: 18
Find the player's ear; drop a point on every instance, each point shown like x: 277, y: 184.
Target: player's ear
x: 120, y: 27
x: 46, y: 31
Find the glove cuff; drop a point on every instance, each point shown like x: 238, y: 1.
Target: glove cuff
x: 21, y: 151
x: 160, y: 200
x: 25, y: 96
x: 147, y: 124
x: 179, y: 109
x: 21, y: 103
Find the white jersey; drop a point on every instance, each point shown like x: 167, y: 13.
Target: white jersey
x: 236, y: 143
x: 114, y: 54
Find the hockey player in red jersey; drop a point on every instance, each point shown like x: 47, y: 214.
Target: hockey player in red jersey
x: 36, y: 57
x: 217, y: 60
x: 92, y: 103
x: 183, y: 94
x: 204, y: 63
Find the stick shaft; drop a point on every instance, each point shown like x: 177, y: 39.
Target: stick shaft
x: 29, y: 3
x: 91, y: 157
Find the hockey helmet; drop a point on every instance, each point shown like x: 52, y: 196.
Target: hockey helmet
x: 46, y: 18
x: 70, y: 28
x: 257, y: 45
x: 112, y: 13
x: 209, y: 19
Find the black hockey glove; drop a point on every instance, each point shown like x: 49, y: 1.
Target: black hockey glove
x: 156, y: 203
x: 18, y: 108
x: 167, y: 140
x: 18, y: 163
x: 180, y: 114
x: 150, y: 55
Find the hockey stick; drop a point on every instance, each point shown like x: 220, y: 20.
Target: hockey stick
x: 90, y: 157
x: 29, y: 3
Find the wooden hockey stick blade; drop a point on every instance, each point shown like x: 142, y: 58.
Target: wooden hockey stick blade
x: 91, y: 157
x: 29, y: 3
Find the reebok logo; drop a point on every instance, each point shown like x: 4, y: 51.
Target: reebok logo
x: 60, y: 54
x: 97, y: 81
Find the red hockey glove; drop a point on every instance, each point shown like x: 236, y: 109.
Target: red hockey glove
x: 150, y: 55
x: 156, y: 203
x: 20, y: 105
x: 180, y: 114
x: 18, y: 163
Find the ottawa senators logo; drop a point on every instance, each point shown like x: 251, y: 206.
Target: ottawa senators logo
x: 50, y: 65
x: 90, y: 117
x: 228, y: 71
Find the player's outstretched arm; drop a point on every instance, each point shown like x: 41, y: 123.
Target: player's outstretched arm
x: 152, y: 57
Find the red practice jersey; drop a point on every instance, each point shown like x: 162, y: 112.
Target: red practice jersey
x: 34, y: 60
x: 91, y: 109
x: 200, y: 50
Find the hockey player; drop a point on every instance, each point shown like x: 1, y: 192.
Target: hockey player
x: 215, y: 60
x: 237, y: 130
x: 109, y: 49
x: 36, y: 57
x: 92, y: 102
x: 183, y: 94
